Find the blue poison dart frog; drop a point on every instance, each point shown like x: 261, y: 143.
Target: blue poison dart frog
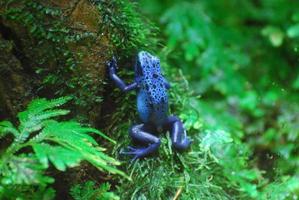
x: 152, y: 106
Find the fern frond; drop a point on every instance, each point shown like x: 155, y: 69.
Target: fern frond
x: 7, y: 127
x: 33, y: 123
x: 39, y: 105
x: 93, y: 130
x: 24, y: 169
x: 72, y: 136
x: 67, y: 130
x: 59, y: 156
x: 37, y: 112
x: 64, y: 144
x: 21, y: 192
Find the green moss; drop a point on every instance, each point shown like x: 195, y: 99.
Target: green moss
x: 127, y: 29
x: 45, y: 40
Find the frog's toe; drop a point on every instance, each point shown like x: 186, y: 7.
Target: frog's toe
x: 183, y: 145
x: 137, y: 152
x: 132, y: 148
x: 136, y: 157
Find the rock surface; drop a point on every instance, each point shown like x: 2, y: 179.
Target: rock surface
x: 17, y: 72
x: 15, y: 82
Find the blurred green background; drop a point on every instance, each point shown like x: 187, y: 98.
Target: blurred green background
x: 241, y: 58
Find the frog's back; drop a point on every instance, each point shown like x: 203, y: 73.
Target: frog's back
x: 152, y: 101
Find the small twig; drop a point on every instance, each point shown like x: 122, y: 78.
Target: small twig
x: 177, y: 194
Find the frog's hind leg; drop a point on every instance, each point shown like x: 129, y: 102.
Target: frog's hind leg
x: 179, y: 138
x: 140, y: 134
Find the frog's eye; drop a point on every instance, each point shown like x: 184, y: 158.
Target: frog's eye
x: 155, y: 75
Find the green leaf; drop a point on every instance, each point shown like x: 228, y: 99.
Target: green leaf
x: 296, y: 83
x: 216, y: 142
x: 38, y: 112
x: 212, y: 139
x: 93, y: 130
x: 72, y: 136
x: 64, y: 144
x: 295, y: 17
x: 293, y: 31
x: 191, y: 120
x: 59, y: 156
x: 22, y: 192
x: 7, y: 127
x: 89, y: 191
x: 39, y: 105
x: 274, y: 34
x: 24, y: 169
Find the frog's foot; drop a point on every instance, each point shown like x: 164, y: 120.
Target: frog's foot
x: 135, y: 152
x: 139, y: 134
x: 179, y: 138
x: 182, y: 145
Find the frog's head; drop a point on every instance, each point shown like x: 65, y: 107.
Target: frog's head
x: 147, y: 66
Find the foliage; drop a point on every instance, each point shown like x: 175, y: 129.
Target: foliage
x: 61, y: 143
x: 26, y: 192
x: 88, y: 191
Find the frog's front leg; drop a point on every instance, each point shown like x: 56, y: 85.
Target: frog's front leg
x: 119, y: 83
x: 140, y: 134
x: 179, y: 138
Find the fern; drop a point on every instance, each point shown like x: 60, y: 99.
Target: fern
x: 62, y: 143
x: 88, y: 191
x: 25, y: 169
x: 7, y: 127
x: 38, y: 112
x: 26, y: 192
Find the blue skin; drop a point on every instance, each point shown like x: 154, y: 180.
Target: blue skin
x: 152, y: 106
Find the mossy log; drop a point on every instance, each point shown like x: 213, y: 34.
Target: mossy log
x: 29, y: 58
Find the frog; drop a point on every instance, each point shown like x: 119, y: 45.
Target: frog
x: 152, y: 106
